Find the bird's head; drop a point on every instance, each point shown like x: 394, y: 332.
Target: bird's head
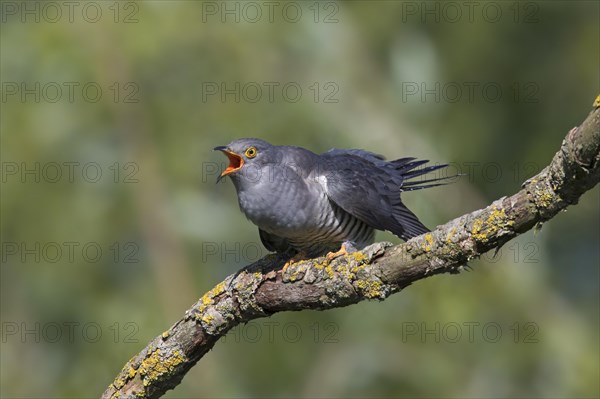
x: 246, y: 157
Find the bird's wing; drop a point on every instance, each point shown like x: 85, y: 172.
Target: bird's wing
x: 369, y: 188
x: 368, y: 155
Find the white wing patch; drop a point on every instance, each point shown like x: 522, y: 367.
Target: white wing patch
x: 322, y: 180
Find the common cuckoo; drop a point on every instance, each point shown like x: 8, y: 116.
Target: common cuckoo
x: 310, y: 203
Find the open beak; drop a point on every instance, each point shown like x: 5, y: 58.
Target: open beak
x: 235, y: 162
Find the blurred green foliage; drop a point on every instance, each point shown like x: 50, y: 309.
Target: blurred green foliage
x: 167, y: 233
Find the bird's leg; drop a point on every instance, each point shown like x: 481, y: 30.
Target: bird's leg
x: 346, y: 248
x: 301, y: 255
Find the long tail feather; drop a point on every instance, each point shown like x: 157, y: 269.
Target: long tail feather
x: 407, y: 168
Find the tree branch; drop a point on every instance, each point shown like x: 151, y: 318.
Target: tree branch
x: 374, y: 273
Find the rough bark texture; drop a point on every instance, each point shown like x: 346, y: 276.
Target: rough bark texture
x: 374, y: 273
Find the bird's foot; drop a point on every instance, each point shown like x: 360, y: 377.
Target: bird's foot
x: 287, y: 264
x: 300, y: 256
x: 345, y: 249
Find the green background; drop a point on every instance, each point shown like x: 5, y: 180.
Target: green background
x: 168, y: 233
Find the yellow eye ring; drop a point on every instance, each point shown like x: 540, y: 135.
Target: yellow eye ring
x: 251, y: 152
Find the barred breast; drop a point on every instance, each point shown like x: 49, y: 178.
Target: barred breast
x: 334, y: 227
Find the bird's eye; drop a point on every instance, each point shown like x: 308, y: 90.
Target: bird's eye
x: 251, y: 152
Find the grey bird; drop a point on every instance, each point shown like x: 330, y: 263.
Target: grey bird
x: 308, y: 203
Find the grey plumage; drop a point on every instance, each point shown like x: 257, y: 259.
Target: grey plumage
x: 308, y: 202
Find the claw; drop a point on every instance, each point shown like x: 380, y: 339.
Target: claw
x: 341, y: 252
x: 295, y: 259
x: 287, y: 264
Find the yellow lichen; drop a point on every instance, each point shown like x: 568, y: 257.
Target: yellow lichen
x: 345, y: 271
x: 295, y: 275
x: 429, y: 242
x: 218, y: 289
x: 497, y: 220
x: 119, y: 383
x: 131, y: 372
x: 370, y: 288
x: 206, y: 302
x: 165, y: 334
x: 319, y: 265
x: 208, y: 298
x: 450, y: 235
x: 116, y: 393
x: 354, y: 262
x: 359, y: 257
x: 476, y: 229
x: 597, y: 101
x: 544, y: 199
x: 155, y: 365
x: 329, y: 271
x: 356, y: 268
x: 206, y: 318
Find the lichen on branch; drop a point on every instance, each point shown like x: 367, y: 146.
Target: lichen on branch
x: 373, y: 273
